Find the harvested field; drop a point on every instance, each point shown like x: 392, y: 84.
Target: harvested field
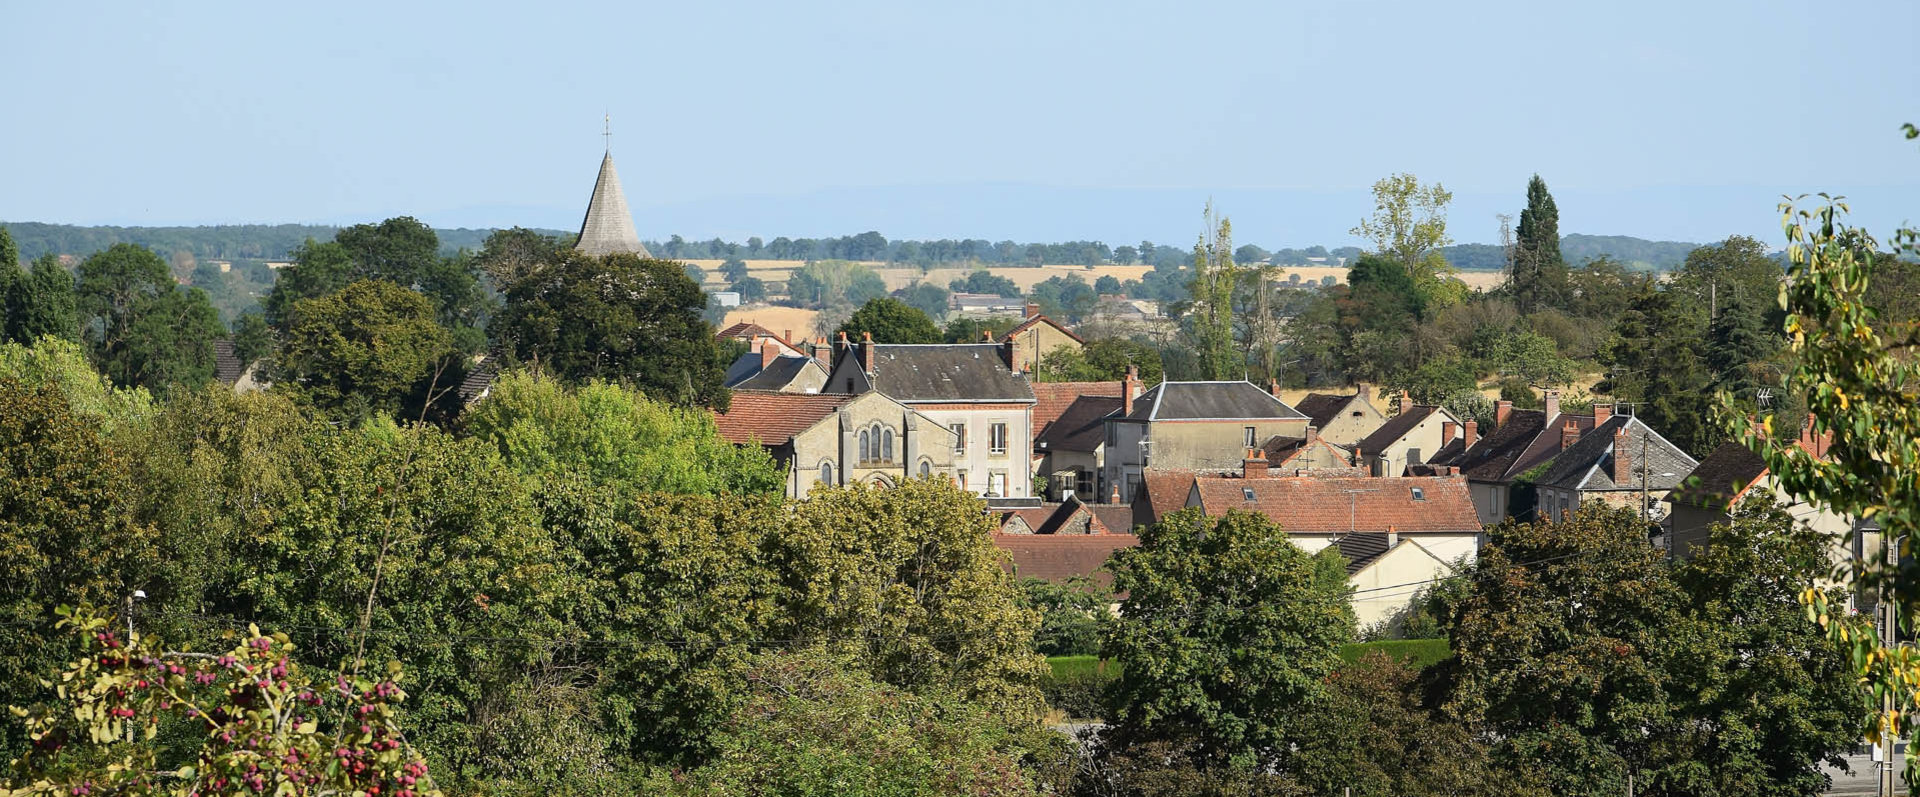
x: 898, y: 277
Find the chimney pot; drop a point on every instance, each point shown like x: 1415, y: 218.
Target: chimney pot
x: 1501, y: 411
x: 866, y: 337
x: 986, y: 335
x: 1569, y: 434
x: 1255, y: 465
x: 1393, y: 537
x: 1406, y: 402
x: 1471, y: 433
x: 1114, y: 498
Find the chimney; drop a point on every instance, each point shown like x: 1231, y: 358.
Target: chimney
x: 1406, y: 402
x: 1358, y: 456
x: 986, y: 336
x: 1129, y: 389
x: 866, y: 352
x: 1601, y: 412
x: 823, y: 352
x: 1569, y: 434
x: 1553, y: 404
x: 1622, y: 457
x: 786, y: 336
x: 1447, y: 430
x: 768, y: 353
x: 1255, y: 465
x: 1501, y: 411
x: 1364, y: 391
x: 1313, y: 436
x: 1114, y: 498
x: 1471, y: 434
x: 1033, y: 309
x: 1393, y: 537
x: 1012, y: 346
x: 1273, y: 388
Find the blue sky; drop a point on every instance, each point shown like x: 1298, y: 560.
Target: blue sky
x: 1025, y: 120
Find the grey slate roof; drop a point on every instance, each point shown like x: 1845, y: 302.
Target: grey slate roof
x: 479, y: 380
x: 608, y: 226
x: 1496, y: 453
x: 957, y: 372
x: 226, y: 363
x: 1725, y: 473
x: 1588, y: 464
x: 746, y: 373
x: 1322, y: 408
x: 1395, y: 428
x: 1361, y: 549
x: 1197, y: 401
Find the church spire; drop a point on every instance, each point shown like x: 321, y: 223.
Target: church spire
x: 608, y: 227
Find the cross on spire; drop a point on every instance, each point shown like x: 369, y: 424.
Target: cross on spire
x: 606, y: 131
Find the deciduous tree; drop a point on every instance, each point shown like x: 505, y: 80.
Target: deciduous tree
x: 890, y: 320
x: 361, y: 350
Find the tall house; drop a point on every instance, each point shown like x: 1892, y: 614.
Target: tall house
x: 608, y: 227
x: 1193, y: 426
x: 973, y: 390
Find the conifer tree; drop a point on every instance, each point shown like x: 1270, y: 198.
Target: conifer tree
x: 1539, y: 272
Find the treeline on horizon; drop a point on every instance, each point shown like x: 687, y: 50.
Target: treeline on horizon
x: 272, y: 242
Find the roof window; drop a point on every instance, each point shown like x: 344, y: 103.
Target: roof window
x: 1248, y: 492
x: 1419, y: 494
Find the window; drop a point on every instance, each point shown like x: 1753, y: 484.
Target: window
x: 963, y: 481
x: 959, y: 441
x: 1247, y: 492
x: 826, y: 472
x: 1083, y: 482
x: 1413, y: 456
x: 926, y: 469
x: 1251, y: 435
x: 997, y: 484
x: 997, y: 439
x: 866, y: 452
x: 886, y: 451
x: 1419, y: 494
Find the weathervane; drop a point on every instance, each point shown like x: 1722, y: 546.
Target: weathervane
x: 606, y: 130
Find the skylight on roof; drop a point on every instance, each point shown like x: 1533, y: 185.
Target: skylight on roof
x: 1419, y: 494
x: 1248, y: 492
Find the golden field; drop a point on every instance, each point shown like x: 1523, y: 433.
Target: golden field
x: 898, y: 277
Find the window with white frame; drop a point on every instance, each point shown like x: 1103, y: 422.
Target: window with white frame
x: 997, y: 439
x: 959, y: 439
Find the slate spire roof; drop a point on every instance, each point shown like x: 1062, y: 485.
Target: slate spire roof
x: 608, y: 227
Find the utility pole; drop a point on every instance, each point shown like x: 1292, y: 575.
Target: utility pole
x: 1888, y: 631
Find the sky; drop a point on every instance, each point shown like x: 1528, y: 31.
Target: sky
x: 1028, y: 120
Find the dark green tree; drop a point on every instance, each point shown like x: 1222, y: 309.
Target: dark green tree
x: 1067, y: 299
x: 509, y: 255
x: 1227, y: 630
x: 751, y: 289
x: 360, y: 351
x: 41, y: 302
x: 1654, y: 361
x: 1106, y: 285
x: 973, y: 330
x: 252, y: 338
x: 928, y: 298
x: 1538, y: 276
x: 984, y: 281
x: 10, y: 277
x: 1738, y: 349
x: 618, y: 319
x: 1739, y: 266
x: 141, y: 328
x: 734, y: 269
x: 402, y: 251
x: 890, y: 320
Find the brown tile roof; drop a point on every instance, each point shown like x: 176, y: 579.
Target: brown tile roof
x: 1036, y: 319
x: 1058, y: 557
x: 1395, y: 428
x: 1722, y: 476
x: 744, y: 330
x: 1337, y: 505
x: 1165, y: 492
x: 1118, y: 518
x: 1053, y: 398
x: 774, y: 418
x: 1082, y: 428
x: 1323, y: 407
x: 1281, y: 449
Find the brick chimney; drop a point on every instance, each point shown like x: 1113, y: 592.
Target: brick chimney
x: 1358, y: 456
x: 1033, y: 309
x: 768, y: 353
x: 1601, y: 412
x: 1471, y: 434
x: 1129, y: 390
x: 823, y: 352
x: 1013, y: 351
x: 1313, y: 436
x: 1502, y: 410
x: 1114, y: 498
x: 1622, y: 457
x: 786, y: 336
x: 1255, y: 465
x: 986, y: 336
x: 1553, y: 404
x: 1273, y: 388
x: 866, y: 352
x: 1447, y: 431
x: 1406, y: 402
x: 1569, y: 434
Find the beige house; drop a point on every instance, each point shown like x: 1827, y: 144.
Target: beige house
x: 1497, y: 464
x: 1193, y: 426
x: 1732, y: 473
x: 972, y: 390
x: 1070, y: 433
x: 1036, y: 336
x: 1342, y: 419
x: 1620, y: 462
x: 838, y: 438
x: 1408, y: 438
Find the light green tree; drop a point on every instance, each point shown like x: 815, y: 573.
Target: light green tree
x: 1210, y: 312
x: 358, y: 351
x: 1409, y: 226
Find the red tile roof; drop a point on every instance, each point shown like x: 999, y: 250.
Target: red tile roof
x: 744, y: 330
x: 774, y: 418
x: 1053, y: 398
x: 1335, y: 505
x: 1058, y: 557
x: 1164, y: 493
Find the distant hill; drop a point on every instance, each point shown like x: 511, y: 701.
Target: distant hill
x: 1637, y: 253
x: 222, y: 242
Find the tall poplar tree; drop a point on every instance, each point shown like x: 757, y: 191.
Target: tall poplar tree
x: 1538, y: 272
x: 1212, y: 311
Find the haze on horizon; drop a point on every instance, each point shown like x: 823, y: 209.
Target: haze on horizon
x: 1032, y: 121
